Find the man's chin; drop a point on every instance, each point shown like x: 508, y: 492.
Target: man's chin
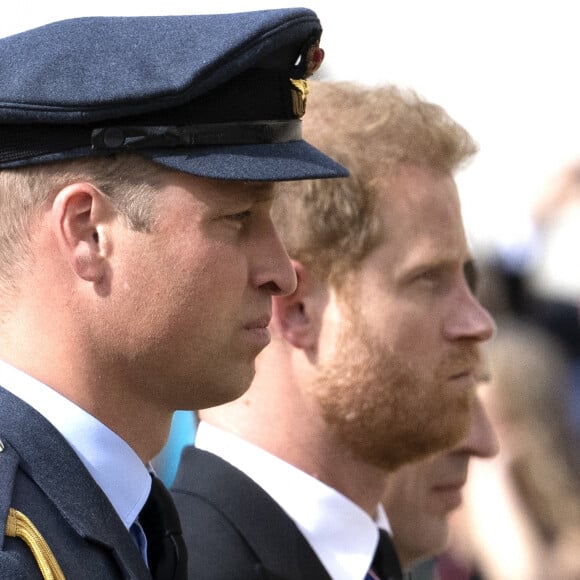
x: 393, y: 450
x: 225, y: 389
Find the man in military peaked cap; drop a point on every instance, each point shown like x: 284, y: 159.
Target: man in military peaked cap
x: 137, y: 161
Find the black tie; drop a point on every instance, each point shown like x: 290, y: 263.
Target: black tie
x: 386, y: 562
x: 166, y: 552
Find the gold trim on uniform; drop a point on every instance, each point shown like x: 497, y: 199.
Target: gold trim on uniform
x: 19, y: 526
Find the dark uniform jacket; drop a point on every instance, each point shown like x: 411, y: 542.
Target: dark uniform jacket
x: 233, y: 529
x: 48, y: 499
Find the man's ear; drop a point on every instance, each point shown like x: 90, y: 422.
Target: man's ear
x: 79, y: 212
x: 298, y: 317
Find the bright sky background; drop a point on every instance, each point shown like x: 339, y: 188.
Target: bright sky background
x: 506, y: 69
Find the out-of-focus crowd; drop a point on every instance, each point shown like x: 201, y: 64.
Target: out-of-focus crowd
x: 520, y: 517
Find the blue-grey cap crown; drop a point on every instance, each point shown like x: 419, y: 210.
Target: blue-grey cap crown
x: 176, y: 77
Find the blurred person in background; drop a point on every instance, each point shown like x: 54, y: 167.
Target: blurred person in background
x: 420, y: 496
x: 521, y: 513
x: 534, y: 275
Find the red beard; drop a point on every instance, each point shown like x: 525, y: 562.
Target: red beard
x: 386, y: 412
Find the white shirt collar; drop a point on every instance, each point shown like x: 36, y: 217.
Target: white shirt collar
x: 111, y: 462
x: 343, y: 536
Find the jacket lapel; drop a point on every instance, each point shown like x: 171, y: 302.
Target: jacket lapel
x: 281, y: 548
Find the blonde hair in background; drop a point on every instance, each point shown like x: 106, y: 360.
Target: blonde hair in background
x: 529, y: 392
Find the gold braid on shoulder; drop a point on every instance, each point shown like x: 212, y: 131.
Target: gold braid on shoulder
x: 19, y: 526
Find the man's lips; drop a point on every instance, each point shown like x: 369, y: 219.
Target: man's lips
x: 466, y: 378
x: 463, y: 365
x: 448, y: 494
x: 260, y: 322
x: 257, y: 329
x: 450, y: 485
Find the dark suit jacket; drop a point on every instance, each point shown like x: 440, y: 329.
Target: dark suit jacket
x: 233, y: 529
x: 42, y: 477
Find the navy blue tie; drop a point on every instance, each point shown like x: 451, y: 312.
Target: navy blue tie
x: 166, y: 551
x: 385, y: 565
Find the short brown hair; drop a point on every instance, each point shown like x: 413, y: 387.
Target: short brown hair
x: 330, y: 225
x: 128, y: 180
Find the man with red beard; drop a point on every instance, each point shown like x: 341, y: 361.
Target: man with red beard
x: 373, y: 358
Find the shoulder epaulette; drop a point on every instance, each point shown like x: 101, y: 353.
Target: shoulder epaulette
x: 19, y: 525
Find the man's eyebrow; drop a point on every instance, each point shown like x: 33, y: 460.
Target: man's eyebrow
x: 259, y: 190
x: 472, y: 275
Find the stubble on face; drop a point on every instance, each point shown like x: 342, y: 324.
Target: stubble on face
x: 385, y: 410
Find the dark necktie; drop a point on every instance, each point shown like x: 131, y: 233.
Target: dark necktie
x: 386, y: 563
x: 166, y: 552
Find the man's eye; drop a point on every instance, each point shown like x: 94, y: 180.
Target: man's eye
x: 433, y: 279
x: 240, y: 216
x: 428, y: 276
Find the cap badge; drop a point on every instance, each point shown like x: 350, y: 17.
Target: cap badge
x: 299, y: 94
x: 312, y: 59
